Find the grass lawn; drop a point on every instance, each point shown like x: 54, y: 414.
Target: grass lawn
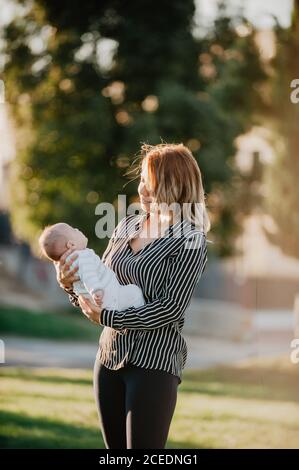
x: 59, y: 326
x: 252, y: 405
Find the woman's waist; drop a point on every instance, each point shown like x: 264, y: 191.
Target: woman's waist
x: 170, y: 334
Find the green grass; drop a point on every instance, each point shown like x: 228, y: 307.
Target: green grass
x: 59, y: 326
x: 253, y: 405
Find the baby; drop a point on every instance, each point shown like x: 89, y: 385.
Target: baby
x: 56, y: 239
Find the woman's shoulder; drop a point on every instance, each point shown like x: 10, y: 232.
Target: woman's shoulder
x: 187, y: 230
x: 195, y: 234
x: 191, y: 235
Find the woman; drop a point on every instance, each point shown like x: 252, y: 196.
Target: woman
x: 142, y: 352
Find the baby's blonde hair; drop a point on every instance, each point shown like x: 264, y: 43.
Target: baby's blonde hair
x: 52, y: 242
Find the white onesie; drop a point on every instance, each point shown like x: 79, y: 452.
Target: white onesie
x: 95, y: 275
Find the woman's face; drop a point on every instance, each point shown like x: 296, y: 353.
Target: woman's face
x: 145, y: 194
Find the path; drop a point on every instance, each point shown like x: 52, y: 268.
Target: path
x: 202, y: 352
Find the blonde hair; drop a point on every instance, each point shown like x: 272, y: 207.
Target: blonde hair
x: 175, y: 179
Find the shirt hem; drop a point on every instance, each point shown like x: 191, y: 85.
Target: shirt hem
x: 107, y: 363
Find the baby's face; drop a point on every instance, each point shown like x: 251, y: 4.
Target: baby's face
x: 77, y: 238
x: 74, y: 238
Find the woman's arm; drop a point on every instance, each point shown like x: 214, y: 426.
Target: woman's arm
x: 177, y: 290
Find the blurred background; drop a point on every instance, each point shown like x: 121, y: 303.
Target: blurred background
x: 84, y: 86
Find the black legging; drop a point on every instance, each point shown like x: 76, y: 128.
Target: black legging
x: 135, y: 405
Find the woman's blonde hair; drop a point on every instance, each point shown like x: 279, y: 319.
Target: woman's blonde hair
x: 175, y: 179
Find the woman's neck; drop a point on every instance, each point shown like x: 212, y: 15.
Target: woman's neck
x: 160, y: 221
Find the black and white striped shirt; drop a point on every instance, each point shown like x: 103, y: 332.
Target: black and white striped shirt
x: 167, y: 270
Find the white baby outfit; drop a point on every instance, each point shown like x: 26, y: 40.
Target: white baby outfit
x: 95, y: 275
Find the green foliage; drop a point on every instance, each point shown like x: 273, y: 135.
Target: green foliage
x: 63, y: 326
x: 81, y: 124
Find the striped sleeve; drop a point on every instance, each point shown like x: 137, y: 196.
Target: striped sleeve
x: 175, y: 293
x: 73, y: 298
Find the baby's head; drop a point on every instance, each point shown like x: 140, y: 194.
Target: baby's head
x: 56, y: 239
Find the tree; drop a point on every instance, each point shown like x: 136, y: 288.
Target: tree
x: 81, y: 123
x: 282, y: 198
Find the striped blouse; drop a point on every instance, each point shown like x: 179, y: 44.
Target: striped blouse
x: 167, y: 270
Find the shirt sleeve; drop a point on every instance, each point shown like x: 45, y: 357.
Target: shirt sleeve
x: 175, y: 294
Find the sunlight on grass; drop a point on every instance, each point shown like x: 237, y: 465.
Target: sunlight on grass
x: 48, y: 408
x: 255, y: 404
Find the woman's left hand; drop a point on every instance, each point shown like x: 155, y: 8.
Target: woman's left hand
x: 90, y: 310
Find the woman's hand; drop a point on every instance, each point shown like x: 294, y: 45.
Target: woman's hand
x: 65, y: 278
x: 90, y: 310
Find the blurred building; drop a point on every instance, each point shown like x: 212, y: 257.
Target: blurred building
x: 261, y: 278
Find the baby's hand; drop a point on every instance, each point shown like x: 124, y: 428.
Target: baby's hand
x: 98, y: 297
